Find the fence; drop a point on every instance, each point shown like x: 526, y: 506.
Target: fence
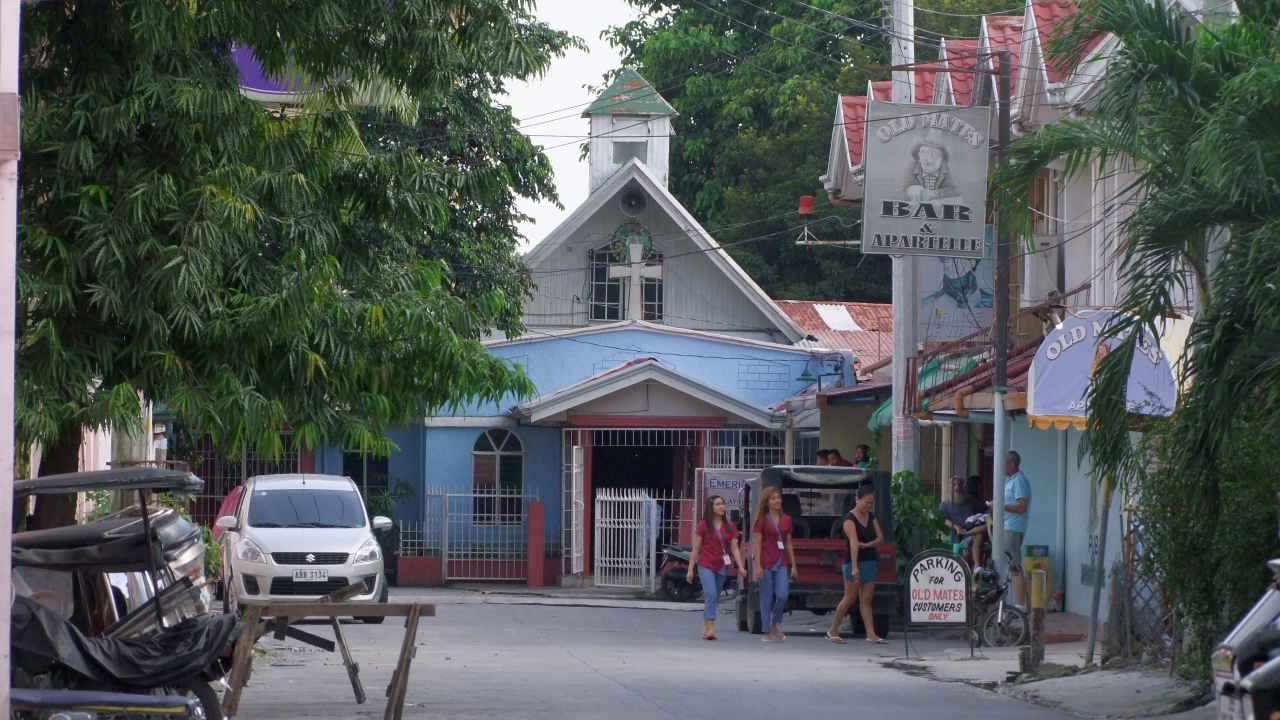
x: 477, y: 536
x: 221, y: 474
x: 1142, y: 621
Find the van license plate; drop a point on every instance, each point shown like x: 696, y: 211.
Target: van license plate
x: 310, y: 575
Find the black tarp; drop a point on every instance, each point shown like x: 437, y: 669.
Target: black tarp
x: 42, y: 642
x: 113, y: 544
x: 130, y: 478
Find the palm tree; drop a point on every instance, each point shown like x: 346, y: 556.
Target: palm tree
x: 1190, y: 106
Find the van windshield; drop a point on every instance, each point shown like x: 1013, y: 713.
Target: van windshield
x: 309, y: 508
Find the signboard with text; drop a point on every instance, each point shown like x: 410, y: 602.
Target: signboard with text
x: 726, y: 483
x: 926, y: 180
x: 938, y: 585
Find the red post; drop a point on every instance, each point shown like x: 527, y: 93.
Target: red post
x: 535, y: 552
x: 687, y: 521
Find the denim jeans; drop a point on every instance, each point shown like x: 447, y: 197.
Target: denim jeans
x: 775, y: 585
x: 712, y: 585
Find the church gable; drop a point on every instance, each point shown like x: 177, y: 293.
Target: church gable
x: 631, y: 252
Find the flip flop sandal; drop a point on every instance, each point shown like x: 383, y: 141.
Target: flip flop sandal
x: 878, y: 641
x: 837, y: 639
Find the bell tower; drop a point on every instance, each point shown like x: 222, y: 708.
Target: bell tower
x: 629, y: 120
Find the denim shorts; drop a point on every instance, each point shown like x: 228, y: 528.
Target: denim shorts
x: 866, y: 571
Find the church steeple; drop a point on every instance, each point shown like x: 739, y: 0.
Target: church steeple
x: 629, y: 120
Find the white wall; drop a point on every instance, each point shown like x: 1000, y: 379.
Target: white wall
x: 696, y: 294
x: 1039, y: 449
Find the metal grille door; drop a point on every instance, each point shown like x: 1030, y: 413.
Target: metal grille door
x: 578, y: 512
x: 485, y: 536
x: 626, y: 536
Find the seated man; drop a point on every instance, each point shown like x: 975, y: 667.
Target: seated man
x: 958, y: 515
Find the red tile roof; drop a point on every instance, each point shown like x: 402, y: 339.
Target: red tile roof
x: 1052, y: 16
x: 882, y: 90
x: 1004, y: 32
x: 961, y: 55
x: 853, y: 113
x: 872, y: 342
x: 925, y: 77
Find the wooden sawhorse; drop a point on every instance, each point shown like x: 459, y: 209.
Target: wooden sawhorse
x: 281, y: 614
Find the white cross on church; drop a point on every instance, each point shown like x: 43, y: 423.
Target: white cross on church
x: 635, y: 271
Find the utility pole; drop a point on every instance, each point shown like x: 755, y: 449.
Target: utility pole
x: 9, y: 147
x: 1000, y: 333
x: 904, y: 440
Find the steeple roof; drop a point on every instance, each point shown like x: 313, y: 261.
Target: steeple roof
x: 629, y: 94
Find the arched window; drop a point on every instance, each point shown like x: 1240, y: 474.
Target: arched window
x: 497, y: 478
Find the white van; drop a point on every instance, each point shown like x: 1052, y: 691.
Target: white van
x: 299, y: 537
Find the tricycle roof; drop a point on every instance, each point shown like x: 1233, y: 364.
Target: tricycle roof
x: 817, y: 476
x: 130, y: 478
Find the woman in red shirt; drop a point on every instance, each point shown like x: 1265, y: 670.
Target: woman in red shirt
x: 770, y: 542
x: 713, y: 544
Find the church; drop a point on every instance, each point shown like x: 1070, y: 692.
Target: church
x: 653, y: 355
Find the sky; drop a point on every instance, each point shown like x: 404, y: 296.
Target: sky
x: 558, y: 98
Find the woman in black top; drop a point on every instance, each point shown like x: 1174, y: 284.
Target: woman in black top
x: 863, y: 532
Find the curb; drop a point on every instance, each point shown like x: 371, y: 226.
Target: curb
x: 486, y: 598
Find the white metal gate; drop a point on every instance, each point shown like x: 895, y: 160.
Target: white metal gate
x: 627, y: 531
x: 578, y: 507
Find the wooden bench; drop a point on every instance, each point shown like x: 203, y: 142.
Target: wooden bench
x: 261, y: 617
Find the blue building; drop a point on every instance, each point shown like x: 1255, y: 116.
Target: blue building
x: 653, y: 353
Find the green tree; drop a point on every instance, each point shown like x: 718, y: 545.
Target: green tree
x: 1189, y: 103
x: 258, y: 269
x: 755, y: 83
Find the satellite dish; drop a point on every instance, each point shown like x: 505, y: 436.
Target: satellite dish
x: 632, y: 203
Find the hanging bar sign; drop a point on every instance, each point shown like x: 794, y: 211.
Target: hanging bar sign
x: 926, y: 180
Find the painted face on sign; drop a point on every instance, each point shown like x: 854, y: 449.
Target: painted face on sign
x: 931, y: 159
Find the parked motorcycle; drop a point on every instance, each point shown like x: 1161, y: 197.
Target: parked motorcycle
x: 674, y: 572
x: 1246, y: 664
x: 1000, y: 623
x: 118, y: 604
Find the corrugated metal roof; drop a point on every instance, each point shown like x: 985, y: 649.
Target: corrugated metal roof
x: 961, y: 55
x: 871, y: 343
x: 925, y: 77
x: 1053, y: 16
x: 629, y: 94
x: 882, y: 90
x: 854, y: 114
x: 1004, y: 32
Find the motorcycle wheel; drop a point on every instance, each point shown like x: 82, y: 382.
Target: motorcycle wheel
x: 1008, y: 632
x: 208, y: 703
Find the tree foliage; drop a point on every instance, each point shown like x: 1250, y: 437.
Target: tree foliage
x: 331, y: 270
x: 1188, y: 104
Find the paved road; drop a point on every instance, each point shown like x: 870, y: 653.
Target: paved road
x: 514, y: 661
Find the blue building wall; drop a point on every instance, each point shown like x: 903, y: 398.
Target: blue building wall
x: 761, y: 376
x: 404, y: 465
x: 447, y: 459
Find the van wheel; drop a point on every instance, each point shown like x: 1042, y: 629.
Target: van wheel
x: 230, y: 598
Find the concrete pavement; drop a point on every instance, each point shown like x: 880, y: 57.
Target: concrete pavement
x: 487, y: 660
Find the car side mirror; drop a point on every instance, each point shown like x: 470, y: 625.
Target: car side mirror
x: 228, y: 522
x: 381, y: 523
